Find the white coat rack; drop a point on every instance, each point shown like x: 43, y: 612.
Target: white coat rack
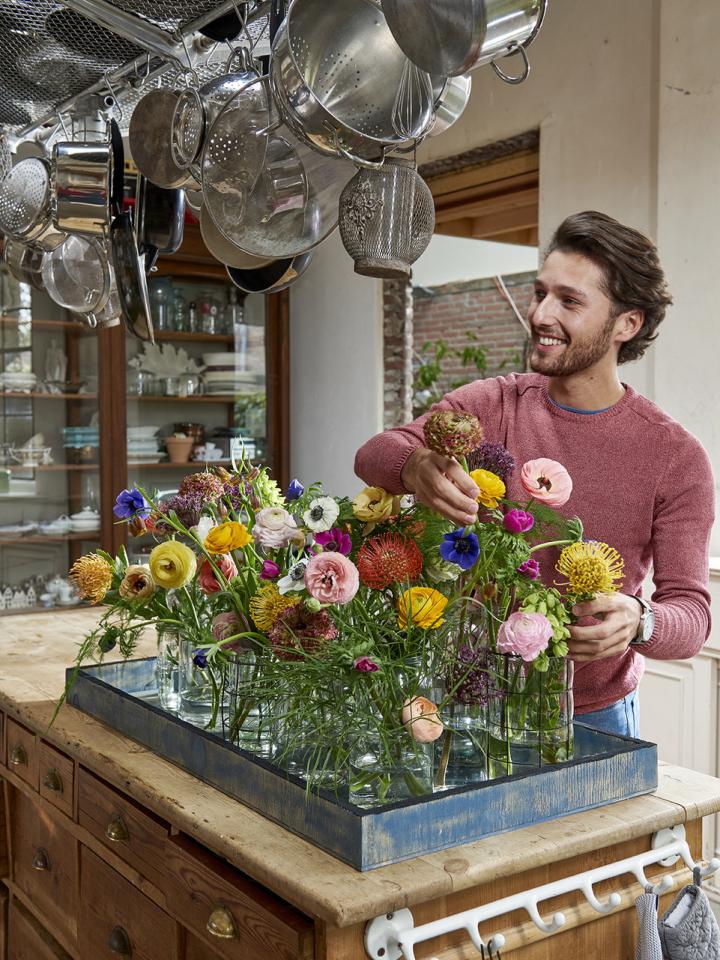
x: 394, y: 935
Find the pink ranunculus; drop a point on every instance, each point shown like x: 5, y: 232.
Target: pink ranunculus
x: 270, y: 570
x: 365, y: 665
x: 332, y: 578
x: 421, y: 720
x: 518, y: 521
x: 547, y: 481
x: 206, y: 575
x: 274, y: 528
x: 226, y: 625
x: 525, y: 634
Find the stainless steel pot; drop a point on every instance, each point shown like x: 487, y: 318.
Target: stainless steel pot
x: 25, y: 208
x: 273, y: 277
x: 337, y: 74
x: 82, y: 186
x: 451, y: 104
x: 450, y: 37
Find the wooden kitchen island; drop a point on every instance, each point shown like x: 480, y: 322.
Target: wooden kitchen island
x: 108, y: 851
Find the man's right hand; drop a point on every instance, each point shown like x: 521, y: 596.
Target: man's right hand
x: 441, y: 484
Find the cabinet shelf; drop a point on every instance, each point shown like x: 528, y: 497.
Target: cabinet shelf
x: 195, y: 398
x: 196, y: 337
x: 54, y: 466
x: 42, y: 538
x: 195, y: 464
x: 37, y: 395
x: 60, y: 325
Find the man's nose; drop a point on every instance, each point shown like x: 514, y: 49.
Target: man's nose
x: 544, y: 310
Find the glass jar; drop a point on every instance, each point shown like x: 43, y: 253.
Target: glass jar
x: 160, y: 301
x: 140, y: 382
x: 208, y: 316
x: 180, y: 312
x: 167, y: 668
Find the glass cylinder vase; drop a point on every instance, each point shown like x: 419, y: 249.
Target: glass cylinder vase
x: 167, y: 668
x: 461, y: 752
x: 389, y: 766
x: 203, y: 688
x: 248, y: 721
x: 529, y: 713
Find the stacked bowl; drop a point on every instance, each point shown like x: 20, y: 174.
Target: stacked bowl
x: 18, y: 381
x: 82, y: 444
x: 223, y: 373
x: 143, y: 445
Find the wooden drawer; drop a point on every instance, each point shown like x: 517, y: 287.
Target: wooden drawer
x: 198, y: 950
x: 22, y: 755
x: 28, y: 940
x: 45, y: 863
x: 132, y: 833
x: 57, y: 777
x: 117, y: 917
x: 249, y: 923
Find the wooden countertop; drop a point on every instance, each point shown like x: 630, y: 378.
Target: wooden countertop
x: 34, y: 650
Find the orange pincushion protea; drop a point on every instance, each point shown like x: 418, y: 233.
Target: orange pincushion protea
x: 388, y: 559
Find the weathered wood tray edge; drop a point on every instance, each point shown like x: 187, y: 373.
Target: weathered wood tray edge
x: 365, y: 839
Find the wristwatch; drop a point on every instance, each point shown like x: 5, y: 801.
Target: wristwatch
x: 646, y: 626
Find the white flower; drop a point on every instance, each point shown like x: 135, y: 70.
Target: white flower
x: 321, y: 514
x: 203, y: 528
x: 274, y: 528
x: 442, y: 571
x: 295, y: 578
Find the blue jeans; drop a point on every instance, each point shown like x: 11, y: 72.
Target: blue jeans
x: 621, y: 717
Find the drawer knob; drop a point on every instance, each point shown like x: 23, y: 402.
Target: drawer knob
x: 119, y: 942
x: 18, y: 756
x: 117, y: 831
x: 221, y: 923
x: 41, y: 861
x: 53, y: 781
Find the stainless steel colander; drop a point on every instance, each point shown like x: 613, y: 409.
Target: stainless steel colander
x: 25, y: 204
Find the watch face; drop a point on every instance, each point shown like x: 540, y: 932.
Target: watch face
x: 648, y: 626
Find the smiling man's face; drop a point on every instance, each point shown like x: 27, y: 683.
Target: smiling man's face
x: 571, y: 317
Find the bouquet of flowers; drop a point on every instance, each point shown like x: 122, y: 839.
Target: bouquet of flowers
x: 365, y: 645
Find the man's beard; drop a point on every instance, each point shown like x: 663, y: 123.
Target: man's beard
x: 578, y: 357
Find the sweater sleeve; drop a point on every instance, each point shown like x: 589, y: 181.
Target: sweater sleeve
x: 684, y: 514
x: 380, y: 461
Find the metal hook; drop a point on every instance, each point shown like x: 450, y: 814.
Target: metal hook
x: 610, y: 904
x: 191, y: 69
x: 144, y: 76
x: 64, y: 128
x: 243, y: 21
x: 117, y: 104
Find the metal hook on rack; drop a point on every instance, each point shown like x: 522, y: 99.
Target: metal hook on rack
x: 142, y: 77
x: 190, y: 69
x: 116, y: 102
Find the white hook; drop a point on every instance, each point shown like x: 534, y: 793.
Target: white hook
x: 496, y: 943
x: 557, y: 921
x: 610, y: 904
x: 473, y: 931
x: 712, y: 867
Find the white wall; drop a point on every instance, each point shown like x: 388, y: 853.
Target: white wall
x: 453, y: 259
x: 336, y: 369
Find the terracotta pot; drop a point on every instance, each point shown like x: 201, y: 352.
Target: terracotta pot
x: 179, y: 448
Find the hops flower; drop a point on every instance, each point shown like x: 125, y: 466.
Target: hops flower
x: 524, y: 634
x: 172, y: 564
x: 268, y: 605
x: 331, y: 578
x: 518, y: 521
x: 591, y: 567
x: 207, y: 578
x: 452, y: 433
x: 421, y: 719
x: 299, y: 631
x: 226, y: 537
x: 547, y: 481
x: 137, y: 584
x: 490, y: 486
x: 373, y: 504
x: 421, y: 606
x: 92, y: 575
x: 460, y: 547
x: 321, y: 514
x: 387, y: 559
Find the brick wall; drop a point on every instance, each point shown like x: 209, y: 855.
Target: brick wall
x: 454, y: 311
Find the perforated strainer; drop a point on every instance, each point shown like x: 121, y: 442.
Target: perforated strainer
x: 188, y: 127
x: 25, y: 204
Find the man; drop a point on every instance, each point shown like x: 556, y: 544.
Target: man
x: 641, y: 482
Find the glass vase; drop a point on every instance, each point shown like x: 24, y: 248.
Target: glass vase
x: 388, y: 766
x: 247, y: 721
x: 167, y: 668
x: 529, y: 713
x: 203, y: 690
x: 461, y: 752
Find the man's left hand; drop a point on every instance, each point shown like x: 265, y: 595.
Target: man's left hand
x: 620, y: 616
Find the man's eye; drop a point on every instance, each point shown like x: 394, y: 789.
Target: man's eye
x: 539, y: 294
x: 569, y: 302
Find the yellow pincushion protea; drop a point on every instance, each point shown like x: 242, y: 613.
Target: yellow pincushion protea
x: 92, y: 575
x: 591, y: 567
x: 267, y: 606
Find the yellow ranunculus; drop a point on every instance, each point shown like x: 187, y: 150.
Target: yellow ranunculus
x: 374, y: 504
x: 172, y: 564
x: 490, y: 486
x: 422, y: 606
x: 227, y: 536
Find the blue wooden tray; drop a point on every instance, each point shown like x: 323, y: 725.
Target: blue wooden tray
x: 605, y: 768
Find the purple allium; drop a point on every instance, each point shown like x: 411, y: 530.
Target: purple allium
x: 530, y: 569
x: 131, y: 503
x: 469, y: 677
x: 493, y: 457
x: 270, y: 570
x: 294, y: 491
x: 199, y: 658
x: 365, y: 665
x: 188, y: 508
x: 518, y: 521
x: 460, y: 547
x: 237, y: 491
x: 334, y: 540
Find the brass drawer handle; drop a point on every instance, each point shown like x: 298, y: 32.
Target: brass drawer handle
x: 221, y: 923
x: 119, y: 942
x: 18, y: 756
x: 53, y: 781
x: 41, y: 861
x: 117, y: 831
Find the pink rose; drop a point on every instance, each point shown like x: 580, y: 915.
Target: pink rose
x: 332, y: 578
x: 365, y: 665
x: 270, y: 570
x: 518, y: 521
x: 420, y: 719
x: 547, y: 481
x: 206, y: 575
x: 525, y: 634
x: 226, y: 625
x: 274, y: 528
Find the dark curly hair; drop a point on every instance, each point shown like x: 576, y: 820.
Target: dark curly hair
x: 634, y: 279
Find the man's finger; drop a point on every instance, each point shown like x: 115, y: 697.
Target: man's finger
x: 462, y: 480
x: 599, y: 604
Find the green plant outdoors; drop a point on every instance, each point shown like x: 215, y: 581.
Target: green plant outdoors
x: 430, y: 369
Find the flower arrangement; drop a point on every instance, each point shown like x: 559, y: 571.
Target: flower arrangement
x: 364, y: 644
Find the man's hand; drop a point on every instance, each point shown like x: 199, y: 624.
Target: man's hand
x: 620, y: 616
x: 441, y: 484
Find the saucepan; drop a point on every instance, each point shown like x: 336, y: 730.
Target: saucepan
x: 273, y: 277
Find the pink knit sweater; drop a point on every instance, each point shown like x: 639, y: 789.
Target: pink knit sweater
x: 641, y: 483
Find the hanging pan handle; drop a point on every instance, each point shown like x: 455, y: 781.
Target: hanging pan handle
x: 117, y: 187
x: 512, y: 50
x: 344, y: 152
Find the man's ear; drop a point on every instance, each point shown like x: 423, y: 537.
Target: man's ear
x: 628, y: 325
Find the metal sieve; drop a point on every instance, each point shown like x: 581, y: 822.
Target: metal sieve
x: 149, y: 139
x: 25, y: 204
x: 77, y: 275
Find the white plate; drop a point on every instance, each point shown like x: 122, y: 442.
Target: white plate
x: 142, y: 432
x: 241, y: 376
x: 145, y: 458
